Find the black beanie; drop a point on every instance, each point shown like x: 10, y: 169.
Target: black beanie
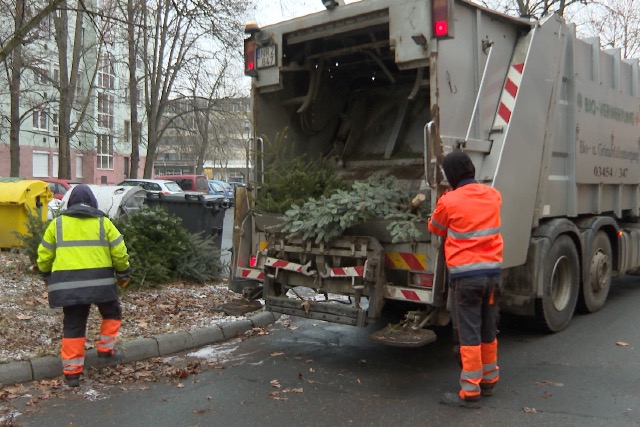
x: 82, y: 194
x: 457, y: 167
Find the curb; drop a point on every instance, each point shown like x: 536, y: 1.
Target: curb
x: 139, y: 349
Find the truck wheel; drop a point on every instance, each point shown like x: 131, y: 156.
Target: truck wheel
x: 595, y: 287
x: 561, y: 285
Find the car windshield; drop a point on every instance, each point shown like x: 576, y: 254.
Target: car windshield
x: 216, y: 187
x: 172, y: 186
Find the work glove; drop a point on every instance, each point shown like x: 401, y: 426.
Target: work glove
x: 45, y: 277
x: 123, y: 279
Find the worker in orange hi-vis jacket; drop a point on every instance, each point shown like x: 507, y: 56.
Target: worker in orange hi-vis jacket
x: 468, y: 217
x: 83, y: 257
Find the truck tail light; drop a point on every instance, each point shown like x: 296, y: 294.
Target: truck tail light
x: 422, y: 280
x: 250, y: 49
x: 253, y: 261
x: 442, y: 18
x: 250, y: 57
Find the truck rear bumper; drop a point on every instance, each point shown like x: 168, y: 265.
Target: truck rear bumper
x: 335, y: 313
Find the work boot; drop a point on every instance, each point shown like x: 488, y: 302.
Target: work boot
x: 108, y: 358
x: 487, y: 389
x: 73, y: 380
x: 453, y: 399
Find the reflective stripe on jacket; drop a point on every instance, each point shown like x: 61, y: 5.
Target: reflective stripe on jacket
x: 81, y: 254
x: 469, y: 217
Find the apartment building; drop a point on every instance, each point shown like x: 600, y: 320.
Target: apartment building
x: 100, y: 144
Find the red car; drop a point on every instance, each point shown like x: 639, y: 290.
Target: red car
x: 60, y: 186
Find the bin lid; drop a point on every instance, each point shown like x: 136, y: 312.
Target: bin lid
x: 114, y: 200
x: 20, y: 192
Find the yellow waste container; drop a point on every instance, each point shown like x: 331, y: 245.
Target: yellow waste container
x: 16, y: 200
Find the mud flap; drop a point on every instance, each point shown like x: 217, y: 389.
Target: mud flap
x: 398, y: 336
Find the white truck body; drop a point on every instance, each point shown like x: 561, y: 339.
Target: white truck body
x: 550, y: 120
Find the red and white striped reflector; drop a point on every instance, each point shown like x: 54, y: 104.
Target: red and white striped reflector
x: 508, y: 98
x: 250, y: 273
x: 408, y: 294
x: 346, y: 271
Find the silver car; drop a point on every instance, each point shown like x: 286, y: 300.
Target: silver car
x: 154, y: 185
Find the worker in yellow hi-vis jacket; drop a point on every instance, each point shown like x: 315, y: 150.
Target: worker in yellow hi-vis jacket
x: 82, y: 257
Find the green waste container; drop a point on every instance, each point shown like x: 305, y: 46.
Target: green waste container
x: 16, y: 200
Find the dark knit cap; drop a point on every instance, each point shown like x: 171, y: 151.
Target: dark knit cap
x: 82, y: 194
x: 457, y: 167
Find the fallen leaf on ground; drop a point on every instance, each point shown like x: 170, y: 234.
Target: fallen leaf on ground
x: 528, y: 410
x: 275, y: 395
x: 277, y: 353
x: 544, y: 382
x: 275, y: 383
x: 622, y: 344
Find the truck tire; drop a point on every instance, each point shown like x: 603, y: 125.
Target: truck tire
x: 595, y: 287
x: 561, y: 278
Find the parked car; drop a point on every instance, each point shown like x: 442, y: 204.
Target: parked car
x: 236, y: 184
x: 197, y: 183
x: 154, y: 185
x: 222, y: 188
x: 59, y: 187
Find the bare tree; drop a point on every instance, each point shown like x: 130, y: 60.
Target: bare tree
x: 617, y: 23
x: 79, y: 59
x: 28, y: 27
x: 204, y: 88
x: 532, y: 8
x: 17, y: 37
x: 174, y: 30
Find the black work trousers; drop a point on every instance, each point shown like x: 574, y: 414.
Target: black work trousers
x: 75, y: 317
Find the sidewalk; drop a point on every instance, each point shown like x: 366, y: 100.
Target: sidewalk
x: 139, y: 349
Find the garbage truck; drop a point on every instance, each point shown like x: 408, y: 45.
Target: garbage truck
x: 549, y: 119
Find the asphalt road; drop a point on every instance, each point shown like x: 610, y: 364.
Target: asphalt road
x: 330, y: 375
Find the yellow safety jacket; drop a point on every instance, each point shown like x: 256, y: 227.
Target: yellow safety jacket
x: 80, y: 249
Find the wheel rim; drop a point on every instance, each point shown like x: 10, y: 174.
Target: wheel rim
x: 561, y: 283
x: 600, y: 269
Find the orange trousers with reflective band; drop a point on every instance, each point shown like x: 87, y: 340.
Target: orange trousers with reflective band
x: 75, y: 328
x: 475, y: 318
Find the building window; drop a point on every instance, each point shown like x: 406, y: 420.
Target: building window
x: 106, y: 72
x: 55, y: 166
x: 79, y: 91
x: 126, y: 130
x: 44, y: 27
x: 78, y: 166
x: 40, y: 165
x: 104, y: 151
x: 40, y: 75
x: 40, y: 119
x: 105, y: 110
x: 54, y: 123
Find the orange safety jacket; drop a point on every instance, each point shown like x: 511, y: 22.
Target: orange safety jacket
x: 469, y: 217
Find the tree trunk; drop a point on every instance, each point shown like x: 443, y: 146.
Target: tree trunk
x: 152, y: 148
x: 133, y: 90
x: 16, y: 70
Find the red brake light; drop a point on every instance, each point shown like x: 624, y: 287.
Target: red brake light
x: 250, y: 57
x: 253, y: 261
x: 442, y: 18
x: 441, y: 29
